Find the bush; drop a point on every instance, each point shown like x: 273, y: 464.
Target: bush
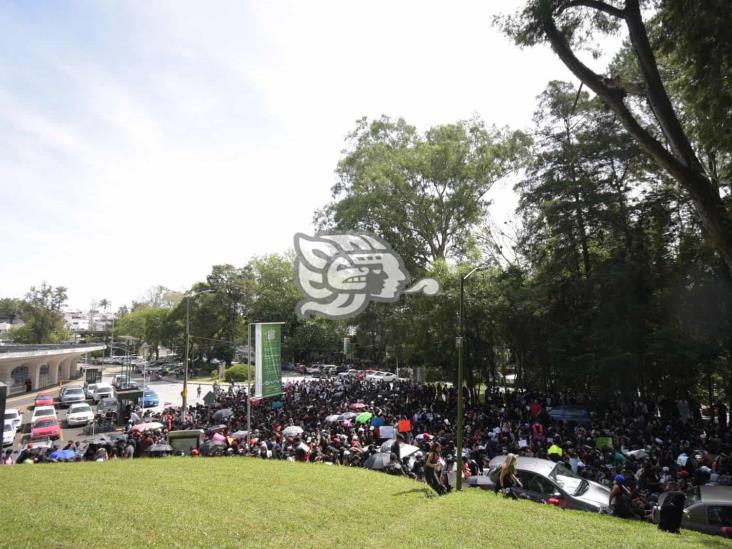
x: 238, y: 372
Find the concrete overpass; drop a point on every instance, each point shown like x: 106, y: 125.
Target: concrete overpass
x: 44, y: 365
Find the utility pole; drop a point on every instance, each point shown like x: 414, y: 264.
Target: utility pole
x: 460, y: 345
x: 184, y: 393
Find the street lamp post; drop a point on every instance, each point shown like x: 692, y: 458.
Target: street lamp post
x: 460, y: 346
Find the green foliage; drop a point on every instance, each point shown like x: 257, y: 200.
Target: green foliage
x: 239, y: 373
x: 41, y: 312
x: 421, y: 192
x: 146, y: 324
x: 297, y: 513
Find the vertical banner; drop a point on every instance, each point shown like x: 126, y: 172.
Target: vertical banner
x: 268, y: 359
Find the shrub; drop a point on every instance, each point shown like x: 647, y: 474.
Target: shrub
x: 238, y: 372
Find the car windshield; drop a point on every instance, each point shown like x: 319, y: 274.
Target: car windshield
x: 46, y: 422
x: 74, y: 391
x: 41, y: 413
x: 9, y: 415
x: 567, y: 480
x: 79, y: 409
x: 8, y: 427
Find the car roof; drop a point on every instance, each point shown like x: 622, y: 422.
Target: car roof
x: 11, y: 410
x: 44, y: 408
x: 78, y: 404
x: 533, y: 465
x: 716, y: 494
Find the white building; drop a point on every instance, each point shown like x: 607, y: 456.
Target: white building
x: 80, y: 321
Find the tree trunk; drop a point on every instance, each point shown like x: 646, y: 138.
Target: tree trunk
x: 680, y: 162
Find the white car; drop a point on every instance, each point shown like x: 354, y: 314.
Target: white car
x: 42, y: 411
x: 12, y: 414
x: 9, y: 432
x: 382, y: 376
x: 79, y: 414
x: 102, y: 390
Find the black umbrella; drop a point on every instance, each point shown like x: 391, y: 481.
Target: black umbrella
x: 213, y: 448
x: 160, y: 448
x: 222, y: 415
x: 377, y: 461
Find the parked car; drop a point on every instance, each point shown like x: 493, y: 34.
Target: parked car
x: 149, y: 398
x: 44, y: 399
x: 103, y: 390
x: 46, y: 427
x: 79, y: 414
x: 107, y: 405
x: 553, y: 483
x: 71, y: 395
x: 89, y: 390
x: 382, y: 376
x: 12, y: 414
x: 707, y: 509
x: 9, y: 431
x: 40, y: 412
x: 312, y: 370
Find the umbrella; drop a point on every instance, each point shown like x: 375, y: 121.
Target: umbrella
x: 364, y: 417
x: 213, y: 448
x: 152, y: 426
x: 292, y: 431
x: 100, y: 439
x: 160, y: 448
x: 240, y: 434
x: 218, y: 437
x: 221, y: 415
x: 332, y: 419
x: 357, y: 406
x: 377, y: 461
x: 405, y: 450
x: 479, y: 480
x: 347, y: 415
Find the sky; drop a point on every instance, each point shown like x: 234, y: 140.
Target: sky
x: 143, y: 142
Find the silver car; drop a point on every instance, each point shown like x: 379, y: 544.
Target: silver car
x: 71, y: 395
x: 707, y: 509
x: 554, y: 483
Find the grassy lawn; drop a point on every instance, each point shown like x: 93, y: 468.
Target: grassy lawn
x: 238, y: 502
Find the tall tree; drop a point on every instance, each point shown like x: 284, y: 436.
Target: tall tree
x: 567, y: 24
x: 422, y: 193
x: 44, y: 321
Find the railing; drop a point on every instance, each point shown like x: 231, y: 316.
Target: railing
x: 20, y: 348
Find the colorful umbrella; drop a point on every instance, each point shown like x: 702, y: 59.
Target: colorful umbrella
x: 357, y: 406
x: 363, y: 418
x: 332, y: 418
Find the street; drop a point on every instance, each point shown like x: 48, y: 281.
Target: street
x: 169, y: 393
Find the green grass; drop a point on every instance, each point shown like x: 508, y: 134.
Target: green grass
x: 246, y: 502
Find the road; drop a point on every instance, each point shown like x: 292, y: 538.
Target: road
x: 168, y: 392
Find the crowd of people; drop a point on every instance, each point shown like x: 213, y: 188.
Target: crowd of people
x: 639, y: 449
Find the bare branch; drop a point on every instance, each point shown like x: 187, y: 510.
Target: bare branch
x: 594, y: 4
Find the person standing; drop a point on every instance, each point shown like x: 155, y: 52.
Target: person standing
x: 198, y: 392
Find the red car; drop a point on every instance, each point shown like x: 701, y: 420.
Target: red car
x: 44, y: 399
x: 46, y: 427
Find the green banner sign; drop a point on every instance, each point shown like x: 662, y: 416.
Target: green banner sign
x: 268, y: 360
